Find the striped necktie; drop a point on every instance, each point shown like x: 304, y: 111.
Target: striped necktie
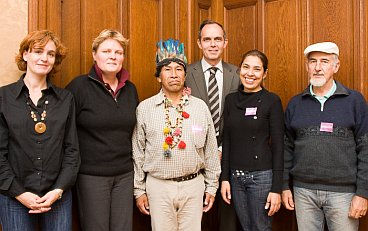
x: 214, y: 100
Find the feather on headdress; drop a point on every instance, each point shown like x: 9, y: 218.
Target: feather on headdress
x: 170, y: 49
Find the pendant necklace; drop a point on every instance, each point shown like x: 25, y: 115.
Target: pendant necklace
x: 40, y: 126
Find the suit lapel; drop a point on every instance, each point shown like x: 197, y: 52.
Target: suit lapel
x: 227, y: 80
x: 200, y: 81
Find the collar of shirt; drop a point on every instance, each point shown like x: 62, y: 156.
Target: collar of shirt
x: 159, y: 98
x: 328, y: 95
x: 206, y: 66
x: 122, y: 76
x: 322, y: 99
x: 21, y: 87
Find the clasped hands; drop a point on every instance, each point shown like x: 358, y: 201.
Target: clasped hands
x: 38, y: 204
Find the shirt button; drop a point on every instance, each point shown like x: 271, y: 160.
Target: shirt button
x: 253, y: 138
x: 39, y: 142
x: 255, y: 157
x: 38, y: 158
x: 38, y: 173
x: 255, y: 117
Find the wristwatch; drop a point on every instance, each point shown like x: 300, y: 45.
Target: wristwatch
x: 59, y: 192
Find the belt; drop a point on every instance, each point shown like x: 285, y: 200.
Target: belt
x: 185, y: 178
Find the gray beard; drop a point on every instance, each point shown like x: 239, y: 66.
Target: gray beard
x: 317, y: 82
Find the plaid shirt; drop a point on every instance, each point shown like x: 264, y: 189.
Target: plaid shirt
x: 197, y: 132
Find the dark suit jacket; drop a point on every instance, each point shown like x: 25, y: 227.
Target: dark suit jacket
x: 196, y: 81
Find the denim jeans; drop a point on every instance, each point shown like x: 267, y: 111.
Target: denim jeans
x: 313, y: 206
x: 15, y: 217
x: 249, y: 192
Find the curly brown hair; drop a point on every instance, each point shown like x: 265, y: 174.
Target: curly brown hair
x: 40, y: 38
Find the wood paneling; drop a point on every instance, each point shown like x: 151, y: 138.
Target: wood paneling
x: 281, y: 36
x: 336, y: 19
x: 201, y: 9
x: 71, y: 34
x: 241, y: 23
x: 144, y: 31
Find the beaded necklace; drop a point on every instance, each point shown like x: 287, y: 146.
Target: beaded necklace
x: 40, y: 126
x: 173, y: 132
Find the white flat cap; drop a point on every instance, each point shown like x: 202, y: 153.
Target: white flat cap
x: 325, y: 47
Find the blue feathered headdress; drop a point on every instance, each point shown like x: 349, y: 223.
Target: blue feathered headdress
x: 170, y: 49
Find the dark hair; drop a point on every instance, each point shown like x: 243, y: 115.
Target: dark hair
x: 40, y: 38
x: 208, y: 22
x: 166, y: 62
x: 258, y: 54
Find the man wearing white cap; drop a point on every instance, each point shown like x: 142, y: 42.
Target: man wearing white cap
x: 326, y: 148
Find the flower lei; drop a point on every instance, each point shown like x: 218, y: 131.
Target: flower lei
x: 173, y: 132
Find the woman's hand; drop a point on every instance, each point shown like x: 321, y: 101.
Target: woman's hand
x: 29, y: 200
x: 273, y: 203
x: 226, y: 191
x: 44, y: 203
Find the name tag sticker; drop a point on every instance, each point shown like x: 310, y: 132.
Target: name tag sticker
x: 249, y: 111
x: 196, y: 128
x: 326, y: 127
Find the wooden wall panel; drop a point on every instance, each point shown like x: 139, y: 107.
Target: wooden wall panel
x: 241, y: 24
x: 144, y: 33
x: 361, y: 20
x: 70, y: 35
x: 281, y: 35
x: 334, y: 21
x: 202, y: 11
x: 93, y: 21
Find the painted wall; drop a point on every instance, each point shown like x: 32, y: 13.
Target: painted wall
x: 14, y: 26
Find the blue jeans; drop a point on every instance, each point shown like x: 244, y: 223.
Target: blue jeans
x: 15, y: 217
x: 249, y: 192
x: 313, y: 206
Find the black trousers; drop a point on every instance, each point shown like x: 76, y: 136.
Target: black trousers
x: 105, y: 202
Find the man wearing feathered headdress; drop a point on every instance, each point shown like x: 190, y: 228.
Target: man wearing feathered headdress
x: 174, y: 149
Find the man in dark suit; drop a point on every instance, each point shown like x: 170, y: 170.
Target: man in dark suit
x: 212, y: 41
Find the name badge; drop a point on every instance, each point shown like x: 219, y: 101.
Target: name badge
x: 196, y: 128
x: 249, y: 111
x: 326, y: 127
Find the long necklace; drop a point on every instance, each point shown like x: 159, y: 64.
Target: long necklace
x: 173, y: 132
x: 40, y: 126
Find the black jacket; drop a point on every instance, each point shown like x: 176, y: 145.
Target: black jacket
x: 105, y: 125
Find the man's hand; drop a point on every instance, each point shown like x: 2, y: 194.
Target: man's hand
x: 287, y: 199
x: 226, y: 191
x: 273, y: 203
x: 220, y: 155
x: 358, y: 207
x: 142, y: 204
x: 208, y: 202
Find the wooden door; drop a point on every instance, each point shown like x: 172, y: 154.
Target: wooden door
x: 280, y: 28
